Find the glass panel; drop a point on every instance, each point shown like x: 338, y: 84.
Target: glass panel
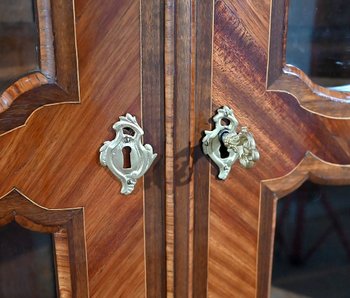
x: 312, y: 243
x: 318, y: 41
x: 19, y: 40
x: 26, y: 263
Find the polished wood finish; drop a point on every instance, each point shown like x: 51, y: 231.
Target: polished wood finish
x: 181, y: 141
x: 57, y: 80
x: 169, y: 139
x: 14, y: 206
x: 188, y: 103
x: 54, y: 158
x: 64, y: 278
x: 310, y: 168
x: 152, y: 42
x: 283, y: 131
x: 179, y: 118
x: 290, y: 79
x: 201, y: 166
x: 192, y: 235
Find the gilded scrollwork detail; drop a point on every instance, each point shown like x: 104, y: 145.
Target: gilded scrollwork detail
x: 128, y: 134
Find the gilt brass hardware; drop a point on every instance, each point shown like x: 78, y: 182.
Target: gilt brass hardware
x: 239, y: 145
x: 127, y: 142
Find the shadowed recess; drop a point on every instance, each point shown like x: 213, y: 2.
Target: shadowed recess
x: 312, y: 243
x: 318, y: 39
x: 26, y: 263
x: 19, y: 40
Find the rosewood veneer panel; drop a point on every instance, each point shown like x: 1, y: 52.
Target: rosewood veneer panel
x: 283, y: 131
x: 56, y: 154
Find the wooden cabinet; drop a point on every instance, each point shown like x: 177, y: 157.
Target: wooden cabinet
x: 172, y: 64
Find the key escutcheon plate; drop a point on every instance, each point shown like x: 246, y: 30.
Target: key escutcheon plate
x: 240, y: 144
x: 128, y: 134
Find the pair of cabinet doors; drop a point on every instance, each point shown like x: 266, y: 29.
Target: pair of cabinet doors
x: 182, y: 231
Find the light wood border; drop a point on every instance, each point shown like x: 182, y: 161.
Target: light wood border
x: 178, y: 61
x: 67, y: 227
x: 289, y: 79
x: 310, y: 168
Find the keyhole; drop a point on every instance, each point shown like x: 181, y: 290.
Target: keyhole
x: 126, y: 157
x: 223, y: 150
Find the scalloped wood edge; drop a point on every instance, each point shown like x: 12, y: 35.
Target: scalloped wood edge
x: 21, y: 86
x: 291, y: 80
x: 67, y: 227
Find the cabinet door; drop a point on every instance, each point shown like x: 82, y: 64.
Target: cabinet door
x: 53, y: 159
x: 220, y: 233
x: 242, y: 208
x: 182, y: 232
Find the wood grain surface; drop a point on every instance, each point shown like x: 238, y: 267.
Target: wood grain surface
x: 180, y: 123
x: 283, y: 131
x: 169, y: 58
x: 188, y: 103
x: 54, y: 159
x: 152, y: 71
x: 64, y: 277
x: 204, y: 24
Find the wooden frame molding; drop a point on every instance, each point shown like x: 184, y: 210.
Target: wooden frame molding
x: 177, y: 41
x: 57, y: 79
x: 178, y: 115
x: 204, y: 32
x: 282, y: 77
x: 152, y: 93
x: 176, y: 83
x: 310, y: 168
x: 67, y: 227
x: 188, y: 77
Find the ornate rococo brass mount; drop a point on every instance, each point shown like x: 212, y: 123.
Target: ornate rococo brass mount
x: 128, y: 134
x: 239, y: 145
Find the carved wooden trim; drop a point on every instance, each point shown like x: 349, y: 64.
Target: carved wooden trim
x: 67, y: 227
x: 57, y: 80
x: 310, y: 168
x: 282, y: 77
